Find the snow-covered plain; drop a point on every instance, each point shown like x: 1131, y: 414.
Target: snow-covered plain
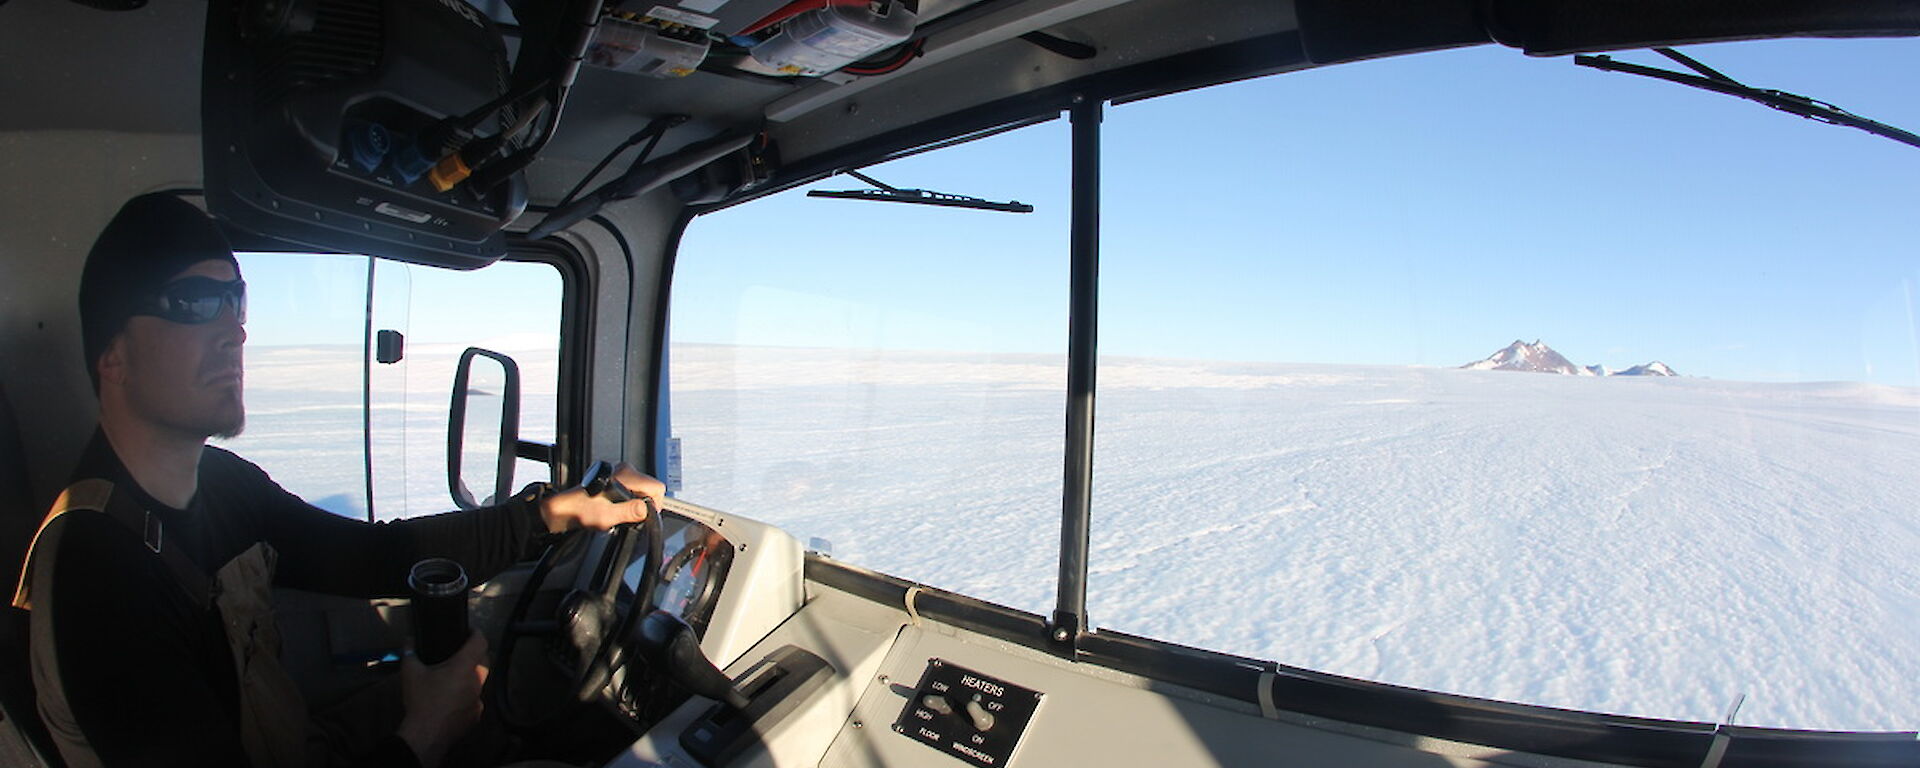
x: 1644, y: 546
x: 305, y: 422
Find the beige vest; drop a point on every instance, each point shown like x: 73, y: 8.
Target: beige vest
x: 273, y: 715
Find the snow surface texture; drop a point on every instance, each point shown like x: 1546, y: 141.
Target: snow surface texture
x: 1645, y: 546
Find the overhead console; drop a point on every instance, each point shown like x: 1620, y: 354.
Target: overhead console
x: 342, y: 125
x: 403, y: 127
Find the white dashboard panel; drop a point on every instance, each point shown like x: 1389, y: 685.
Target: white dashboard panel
x: 850, y: 634
x: 1095, y: 718
x: 765, y: 585
x: 1088, y: 715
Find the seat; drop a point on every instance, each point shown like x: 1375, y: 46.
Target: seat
x: 23, y: 738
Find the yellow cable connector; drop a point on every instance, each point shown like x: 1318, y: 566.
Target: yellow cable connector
x: 449, y: 172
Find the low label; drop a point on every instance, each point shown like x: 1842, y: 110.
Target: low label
x: 968, y: 699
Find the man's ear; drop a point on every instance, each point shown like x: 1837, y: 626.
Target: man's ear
x: 112, y: 364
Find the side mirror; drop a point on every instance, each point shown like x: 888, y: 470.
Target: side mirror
x: 483, y: 427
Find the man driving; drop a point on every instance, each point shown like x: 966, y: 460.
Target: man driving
x: 152, y: 636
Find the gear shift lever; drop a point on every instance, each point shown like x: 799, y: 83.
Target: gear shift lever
x: 782, y: 683
x: 671, y: 645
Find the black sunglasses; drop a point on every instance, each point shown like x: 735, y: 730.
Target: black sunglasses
x: 198, y: 300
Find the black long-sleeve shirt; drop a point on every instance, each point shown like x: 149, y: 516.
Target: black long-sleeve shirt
x: 145, y: 672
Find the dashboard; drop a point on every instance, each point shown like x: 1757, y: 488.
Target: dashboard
x: 697, y: 560
x: 847, y: 668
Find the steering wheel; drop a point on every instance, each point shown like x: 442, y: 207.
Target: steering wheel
x: 590, y: 617
x: 613, y: 645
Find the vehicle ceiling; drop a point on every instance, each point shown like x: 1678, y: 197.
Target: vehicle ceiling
x: 138, y: 71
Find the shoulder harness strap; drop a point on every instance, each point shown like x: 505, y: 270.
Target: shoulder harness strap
x: 97, y: 496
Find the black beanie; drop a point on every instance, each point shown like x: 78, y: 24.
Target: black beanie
x: 154, y: 237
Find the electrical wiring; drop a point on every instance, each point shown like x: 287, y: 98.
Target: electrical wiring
x: 908, y: 52
x: 525, y: 119
x: 483, y: 152
x: 652, y: 137
x: 496, y: 169
x: 472, y: 120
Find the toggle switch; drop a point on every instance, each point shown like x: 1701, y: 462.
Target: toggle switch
x: 937, y: 703
x: 982, y: 719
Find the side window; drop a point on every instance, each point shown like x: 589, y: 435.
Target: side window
x: 306, y: 323
x: 366, y: 439
x: 883, y: 390
x: 510, y: 307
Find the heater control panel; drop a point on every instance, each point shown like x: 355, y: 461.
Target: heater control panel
x: 974, y: 717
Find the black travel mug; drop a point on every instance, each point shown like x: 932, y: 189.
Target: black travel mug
x: 439, y: 609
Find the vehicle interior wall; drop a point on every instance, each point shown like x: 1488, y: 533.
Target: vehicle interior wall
x: 62, y: 188
x: 628, y: 247
x: 81, y: 68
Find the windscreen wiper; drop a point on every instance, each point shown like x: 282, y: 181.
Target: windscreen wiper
x: 1711, y: 80
x: 886, y: 194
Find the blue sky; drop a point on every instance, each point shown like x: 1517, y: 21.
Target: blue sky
x: 1421, y: 210
x: 320, y: 299
x: 1448, y: 203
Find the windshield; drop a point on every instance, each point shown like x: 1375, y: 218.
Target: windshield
x: 366, y: 437
x: 1463, y: 371
x: 897, y: 397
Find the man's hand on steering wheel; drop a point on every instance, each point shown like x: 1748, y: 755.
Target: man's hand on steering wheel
x: 596, y: 509
x: 609, y: 497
